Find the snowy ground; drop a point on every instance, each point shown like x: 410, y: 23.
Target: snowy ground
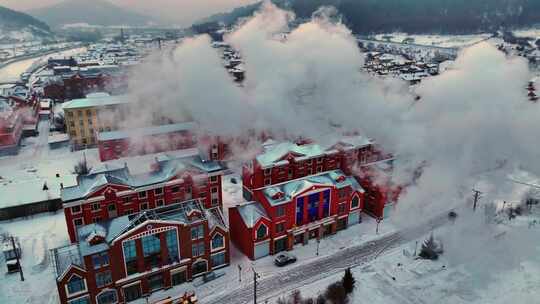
x: 449, y: 41
x: 37, y: 235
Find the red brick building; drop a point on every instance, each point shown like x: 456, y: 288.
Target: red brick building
x: 16, y: 114
x: 298, y: 192
x: 132, y: 256
x: 111, y: 190
x: 79, y: 82
x: 141, y: 141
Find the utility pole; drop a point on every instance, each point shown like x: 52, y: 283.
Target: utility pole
x: 318, y: 242
x: 239, y: 273
x: 476, y: 198
x: 255, y: 277
x: 17, y: 257
x: 379, y: 220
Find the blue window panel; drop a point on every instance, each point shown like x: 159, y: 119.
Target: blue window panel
x: 299, y: 210
x: 314, y: 200
x: 326, y: 203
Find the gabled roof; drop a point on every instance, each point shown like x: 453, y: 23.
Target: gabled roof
x: 251, y: 213
x: 291, y: 189
x: 113, y: 229
x: 274, y: 154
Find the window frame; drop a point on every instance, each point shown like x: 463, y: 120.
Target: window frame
x: 222, y: 242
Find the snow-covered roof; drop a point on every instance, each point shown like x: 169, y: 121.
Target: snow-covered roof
x: 28, y: 191
x: 113, y: 173
x: 251, y: 213
x: 112, y: 229
x: 291, y: 189
x: 274, y: 154
x: 147, y: 131
x: 94, y: 100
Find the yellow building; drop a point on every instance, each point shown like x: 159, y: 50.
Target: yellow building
x: 97, y: 112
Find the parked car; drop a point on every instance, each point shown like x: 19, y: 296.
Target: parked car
x: 284, y: 258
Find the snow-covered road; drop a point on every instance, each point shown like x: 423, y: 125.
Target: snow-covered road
x: 295, y: 277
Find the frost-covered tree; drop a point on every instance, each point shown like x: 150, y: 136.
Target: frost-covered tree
x: 431, y: 249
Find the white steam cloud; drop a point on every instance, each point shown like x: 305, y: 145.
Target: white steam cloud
x: 473, y: 123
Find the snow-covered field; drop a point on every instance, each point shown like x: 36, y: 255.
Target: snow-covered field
x: 450, y: 41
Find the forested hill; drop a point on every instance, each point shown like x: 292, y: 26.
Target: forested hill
x: 414, y: 16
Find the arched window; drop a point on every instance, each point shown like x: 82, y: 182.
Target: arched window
x: 355, y: 202
x: 218, y: 241
x: 262, y: 231
x: 75, y: 284
x: 107, y: 297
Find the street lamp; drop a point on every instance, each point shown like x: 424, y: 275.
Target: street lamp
x: 318, y: 242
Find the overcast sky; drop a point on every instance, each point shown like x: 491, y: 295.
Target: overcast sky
x: 181, y: 11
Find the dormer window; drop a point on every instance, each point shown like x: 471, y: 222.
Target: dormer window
x: 76, y: 285
x: 262, y: 231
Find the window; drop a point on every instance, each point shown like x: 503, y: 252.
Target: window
x: 111, y: 207
x: 178, y: 278
x: 82, y: 300
x: 342, y: 193
x: 107, y: 297
x: 100, y: 260
x: 151, y: 244
x: 319, y: 169
x: 214, y: 190
x: 261, y: 231
x: 96, y: 219
x: 88, y: 112
x: 202, y: 195
x: 158, y: 191
x: 172, y: 244
x: 200, y: 267
x: 309, y: 162
x: 188, y: 189
x: 144, y: 206
x: 132, y: 292
x: 215, y: 202
x: 280, y: 227
x: 175, y: 189
x: 218, y: 259
x: 96, y: 207
x: 341, y: 208
x: 280, y: 210
x: 126, y: 199
x: 355, y: 202
x: 75, y: 209
x: 197, y: 232
x: 218, y: 241
x: 213, y: 179
x: 103, y: 278
x: 267, y: 181
x: 142, y: 194
x: 159, y: 203
x: 76, y: 284
x: 155, y: 282
x: 319, y: 160
x: 130, y: 256
x: 309, y: 171
x: 267, y: 171
x: 78, y: 222
x: 197, y: 249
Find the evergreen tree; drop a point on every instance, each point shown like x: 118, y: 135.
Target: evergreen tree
x: 348, y: 281
x: 336, y: 294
